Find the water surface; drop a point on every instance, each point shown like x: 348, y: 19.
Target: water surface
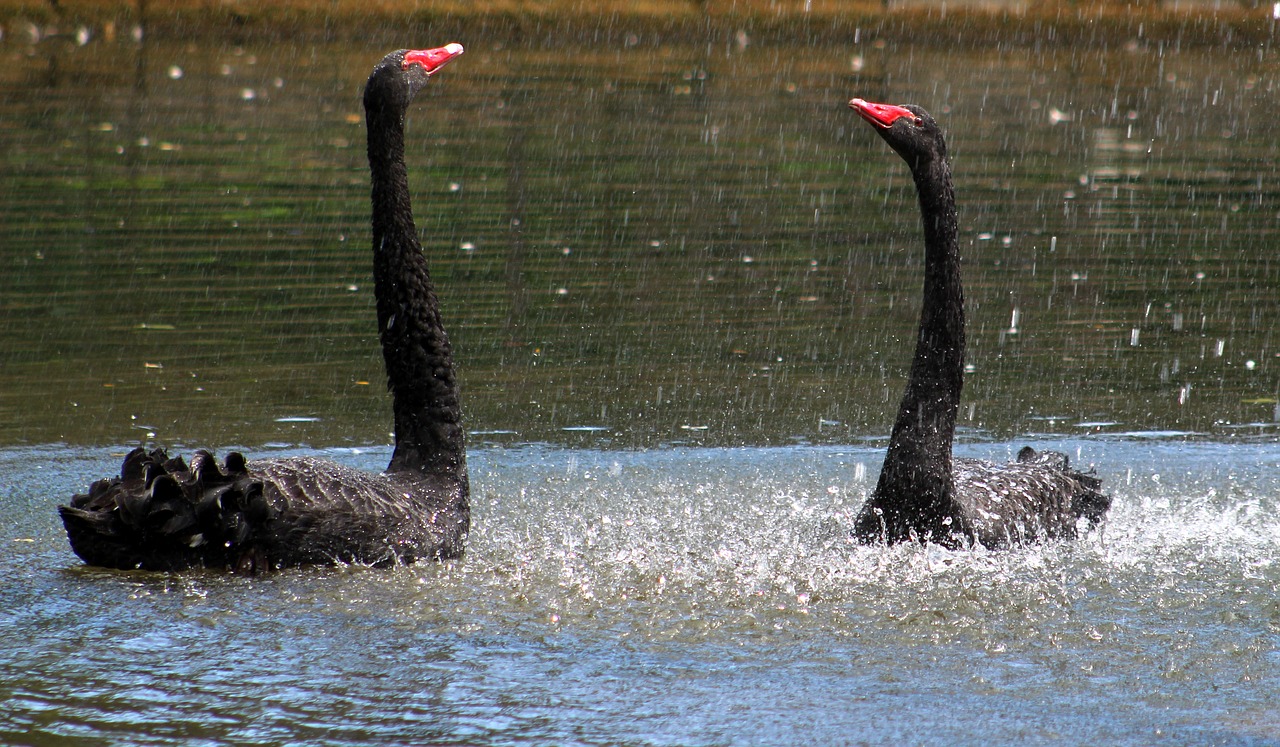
x: 665, y: 242
x: 695, y: 596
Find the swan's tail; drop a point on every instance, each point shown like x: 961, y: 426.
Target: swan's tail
x: 1087, y: 499
x: 160, y: 514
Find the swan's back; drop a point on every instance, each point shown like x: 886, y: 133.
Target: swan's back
x: 1038, y: 497
x: 331, y: 513
x: 160, y: 514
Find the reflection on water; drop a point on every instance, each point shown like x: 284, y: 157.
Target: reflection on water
x: 677, y: 596
x: 687, y: 243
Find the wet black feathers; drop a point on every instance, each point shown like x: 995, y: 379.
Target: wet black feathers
x: 160, y: 514
x: 923, y: 493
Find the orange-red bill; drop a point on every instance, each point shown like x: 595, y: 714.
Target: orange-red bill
x: 880, y: 115
x: 432, y: 60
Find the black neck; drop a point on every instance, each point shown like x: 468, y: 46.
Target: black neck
x: 917, y: 468
x: 419, y: 359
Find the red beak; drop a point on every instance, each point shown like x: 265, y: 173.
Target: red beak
x: 432, y: 60
x: 880, y: 115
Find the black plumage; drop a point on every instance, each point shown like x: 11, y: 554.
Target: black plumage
x: 923, y: 493
x: 248, y: 516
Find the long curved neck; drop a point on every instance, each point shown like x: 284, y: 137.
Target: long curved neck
x: 917, y: 468
x: 419, y: 359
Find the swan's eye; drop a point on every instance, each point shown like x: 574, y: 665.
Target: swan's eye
x: 917, y: 121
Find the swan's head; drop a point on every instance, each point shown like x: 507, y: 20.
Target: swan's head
x: 403, y: 73
x: 907, y: 129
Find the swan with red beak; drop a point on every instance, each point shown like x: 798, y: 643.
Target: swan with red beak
x: 923, y: 492
x: 258, y: 515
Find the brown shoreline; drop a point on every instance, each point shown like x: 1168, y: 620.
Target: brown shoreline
x: 647, y: 23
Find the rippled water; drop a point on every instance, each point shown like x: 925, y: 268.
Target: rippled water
x: 682, y: 281
x: 665, y: 241
x: 695, y: 596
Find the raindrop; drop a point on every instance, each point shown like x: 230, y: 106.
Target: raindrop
x: 175, y: 72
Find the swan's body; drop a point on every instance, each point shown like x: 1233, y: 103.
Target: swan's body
x: 923, y: 493
x: 256, y: 515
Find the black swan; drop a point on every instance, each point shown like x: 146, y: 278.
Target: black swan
x: 251, y: 516
x: 923, y: 493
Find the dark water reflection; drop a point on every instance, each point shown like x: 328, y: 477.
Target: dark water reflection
x: 641, y: 244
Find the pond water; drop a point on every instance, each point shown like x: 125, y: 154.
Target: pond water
x: 685, y: 595
x: 682, y: 281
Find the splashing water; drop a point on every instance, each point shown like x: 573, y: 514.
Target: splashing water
x: 682, y: 595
